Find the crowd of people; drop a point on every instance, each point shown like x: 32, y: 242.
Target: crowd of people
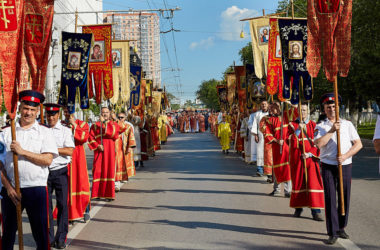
x: 191, y: 121
x: 287, y: 147
x: 52, y: 159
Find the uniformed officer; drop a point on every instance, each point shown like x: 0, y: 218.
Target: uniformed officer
x: 350, y: 144
x: 36, y: 148
x: 58, y: 180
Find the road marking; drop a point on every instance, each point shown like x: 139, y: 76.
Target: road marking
x: 345, y: 243
x: 77, y: 228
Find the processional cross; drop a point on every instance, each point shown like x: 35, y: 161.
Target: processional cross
x: 4, y: 8
x: 33, y: 26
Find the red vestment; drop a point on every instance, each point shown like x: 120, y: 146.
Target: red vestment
x: 202, y: 126
x: 79, y: 184
x: 310, y: 195
x: 281, y: 166
x: 193, y: 122
x: 121, y: 168
x: 128, y: 144
x: 239, y: 139
x: 155, y: 133
x: 103, y: 171
x: 268, y: 154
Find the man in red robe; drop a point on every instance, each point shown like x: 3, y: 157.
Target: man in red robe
x: 79, y: 184
x: 155, y: 133
x: 103, y: 135
x: 276, y: 134
x: 202, y: 126
x: 306, y: 180
x: 193, y: 123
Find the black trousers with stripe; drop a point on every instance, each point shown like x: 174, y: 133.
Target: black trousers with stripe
x: 330, y: 175
x: 34, y: 200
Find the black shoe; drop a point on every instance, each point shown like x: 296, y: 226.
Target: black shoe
x: 274, y: 193
x: 297, y: 213
x: 227, y: 152
x: 86, y: 217
x: 317, y: 217
x: 61, y: 245
x: 342, y: 234
x: 331, y: 240
x: 53, y: 244
x: 287, y: 195
x: 109, y: 200
x: 259, y: 174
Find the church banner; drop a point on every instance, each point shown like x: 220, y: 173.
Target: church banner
x: 135, y: 86
x: 75, y: 57
x: 329, y: 36
x: 120, y: 73
x: 250, y: 80
x: 11, y: 51
x: 231, y: 85
x: 260, y: 38
x: 293, y: 34
x: 100, y: 66
x: 241, y: 87
x: 222, y: 94
x: 37, y: 39
x: 156, y: 102
x: 275, y: 77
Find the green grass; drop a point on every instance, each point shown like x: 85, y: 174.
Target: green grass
x: 366, y: 131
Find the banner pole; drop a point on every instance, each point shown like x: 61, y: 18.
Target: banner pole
x: 336, y: 96
x: 17, y: 187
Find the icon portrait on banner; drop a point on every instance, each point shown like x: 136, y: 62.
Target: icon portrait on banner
x: 263, y: 35
x: 116, y: 58
x: 97, y: 52
x: 278, y: 47
x: 73, y: 60
x: 295, y: 49
x: 258, y: 89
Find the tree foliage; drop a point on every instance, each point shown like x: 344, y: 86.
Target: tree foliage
x: 207, y: 93
x: 246, y: 54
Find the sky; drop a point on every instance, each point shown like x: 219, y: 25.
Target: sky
x: 208, y: 40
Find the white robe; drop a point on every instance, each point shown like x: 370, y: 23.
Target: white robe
x: 244, y: 133
x: 256, y: 130
x: 251, y: 139
x: 137, y: 149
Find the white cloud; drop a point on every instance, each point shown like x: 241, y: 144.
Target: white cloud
x: 203, y: 44
x: 230, y: 26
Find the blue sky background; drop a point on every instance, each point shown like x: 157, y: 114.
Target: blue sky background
x: 208, y: 41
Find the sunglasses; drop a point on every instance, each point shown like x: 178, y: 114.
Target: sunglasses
x: 121, y: 117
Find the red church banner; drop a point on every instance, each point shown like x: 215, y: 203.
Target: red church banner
x: 329, y: 27
x: 37, y: 39
x: 11, y: 32
x: 100, y: 66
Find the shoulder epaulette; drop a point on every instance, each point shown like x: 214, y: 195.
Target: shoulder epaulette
x: 6, y: 126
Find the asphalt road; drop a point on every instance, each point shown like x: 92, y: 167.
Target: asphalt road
x: 190, y: 196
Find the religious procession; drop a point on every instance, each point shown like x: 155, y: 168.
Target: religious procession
x: 97, y: 153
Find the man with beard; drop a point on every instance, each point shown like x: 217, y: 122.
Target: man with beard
x: 259, y: 137
x: 103, y: 135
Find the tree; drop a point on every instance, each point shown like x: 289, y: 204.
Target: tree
x: 246, y: 54
x: 300, y: 8
x: 208, y: 95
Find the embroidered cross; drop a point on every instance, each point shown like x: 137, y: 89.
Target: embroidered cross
x: 4, y: 8
x: 328, y: 3
x: 33, y: 26
x: 84, y: 101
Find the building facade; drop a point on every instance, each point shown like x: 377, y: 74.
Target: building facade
x: 143, y: 29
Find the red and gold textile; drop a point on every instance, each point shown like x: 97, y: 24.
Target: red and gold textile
x: 272, y: 134
x: 155, y: 133
x: 268, y: 154
x: 103, y: 170
x: 100, y: 66
x: 307, y: 187
x: 231, y: 87
x: 329, y: 27
x: 37, y: 39
x: 240, y: 83
x: 121, y: 169
x: 275, y: 77
x: 79, y: 184
x: 11, y: 30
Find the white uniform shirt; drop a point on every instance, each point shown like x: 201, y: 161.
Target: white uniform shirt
x: 37, y: 139
x: 64, y: 139
x: 348, y: 134
x: 377, y: 133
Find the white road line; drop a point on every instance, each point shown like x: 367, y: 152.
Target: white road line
x: 345, y: 243
x: 78, y: 227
